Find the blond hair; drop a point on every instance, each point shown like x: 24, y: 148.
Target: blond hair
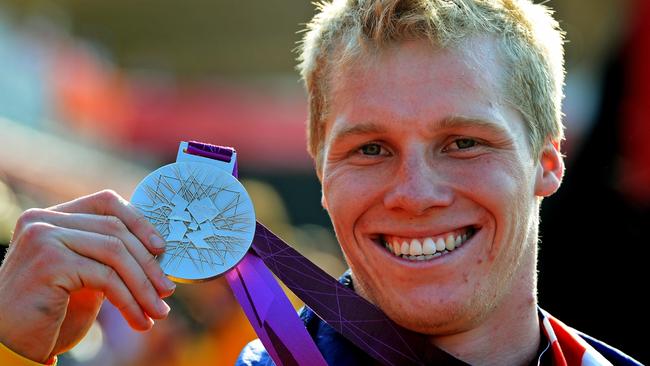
x: 529, y: 39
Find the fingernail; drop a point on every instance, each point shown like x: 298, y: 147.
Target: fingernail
x: 169, y: 284
x: 157, y: 241
x: 163, y: 307
x: 149, y: 322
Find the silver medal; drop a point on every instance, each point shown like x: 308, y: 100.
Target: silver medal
x: 204, y: 214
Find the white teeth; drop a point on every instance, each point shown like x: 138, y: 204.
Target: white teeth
x: 416, y: 247
x: 425, y: 248
x: 429, y: 246
x: 440, y: 245
x: 405, y: 248
x: 450, y: 243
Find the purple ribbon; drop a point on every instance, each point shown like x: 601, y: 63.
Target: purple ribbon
x: 265, y: 304
x: 209, y: 151
x: 271, y: 314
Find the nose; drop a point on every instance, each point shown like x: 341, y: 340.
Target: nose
x: 417, y: 187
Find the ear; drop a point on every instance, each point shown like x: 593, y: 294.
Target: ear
x: 550, y: 169
x: 323, y: 202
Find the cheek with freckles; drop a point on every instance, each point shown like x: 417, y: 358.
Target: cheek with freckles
x: 349, y: 191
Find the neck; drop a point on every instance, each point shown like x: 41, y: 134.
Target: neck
x: 510, y: 335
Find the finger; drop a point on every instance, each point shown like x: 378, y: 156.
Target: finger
x: 90, y: 273
x: 111, y: 251
x: 108, y: 202
x: 113, y: 226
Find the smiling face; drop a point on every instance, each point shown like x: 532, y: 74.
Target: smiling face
x: 430, y: 184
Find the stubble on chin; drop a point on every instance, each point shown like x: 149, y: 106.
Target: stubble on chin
x: 431, y: 317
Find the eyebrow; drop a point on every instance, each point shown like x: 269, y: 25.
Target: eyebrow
x: 471, y: 122
x: 363, y: 128
x: 453, y: 122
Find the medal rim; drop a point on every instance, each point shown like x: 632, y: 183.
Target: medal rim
x: 219, y: 173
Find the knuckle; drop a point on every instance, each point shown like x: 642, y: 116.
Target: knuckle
x: 108, y: 201
x: 110, y: 277
x: 114, y: 224
x: 107, y: 198
x: 151, y: 266
x: 141, y: 220
x: 33, y: 214
x: 28, y: 217
x: 35, y: 232
x: 107, y: 194
x: 142, y: 224
x: 151, y: 262
x: 146, y: 285
x: 113, y: 245
x: 121, y: 305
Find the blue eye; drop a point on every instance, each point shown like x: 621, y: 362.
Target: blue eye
x: 465, y: 143
x: 370, y: 149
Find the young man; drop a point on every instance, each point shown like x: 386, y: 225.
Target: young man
x: 435, y: 127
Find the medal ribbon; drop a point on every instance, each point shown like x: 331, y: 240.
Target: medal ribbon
x: 276, y: 322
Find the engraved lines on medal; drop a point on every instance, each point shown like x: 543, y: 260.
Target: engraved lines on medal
x: 183, y: 210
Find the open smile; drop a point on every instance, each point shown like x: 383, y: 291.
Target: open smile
x: 428, y: 247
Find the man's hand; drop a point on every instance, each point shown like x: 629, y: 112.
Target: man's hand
x: 63, y: 261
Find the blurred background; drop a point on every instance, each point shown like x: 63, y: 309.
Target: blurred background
x: 95, y: 95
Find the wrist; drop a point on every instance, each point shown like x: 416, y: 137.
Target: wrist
x: 10, y: 357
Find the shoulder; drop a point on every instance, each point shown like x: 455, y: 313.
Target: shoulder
x: 612, y: 354
x: 579, y: 346
x: 254, y: 354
